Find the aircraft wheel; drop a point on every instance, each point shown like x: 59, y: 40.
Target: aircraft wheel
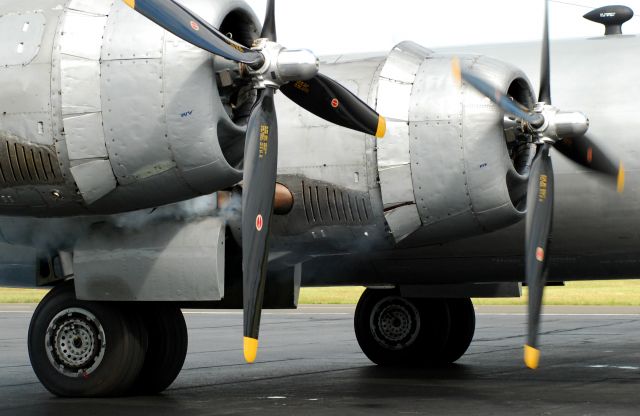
x: 463, y: 326
x: 398, y: 331
x: 167, y: 348
x: 84, y: 349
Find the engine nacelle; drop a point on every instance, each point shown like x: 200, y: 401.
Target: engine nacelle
x: 446, y: 167
x: 103, y: 111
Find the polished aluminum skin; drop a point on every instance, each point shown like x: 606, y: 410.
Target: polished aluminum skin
x: 130, y: 109
x: 132, y: 117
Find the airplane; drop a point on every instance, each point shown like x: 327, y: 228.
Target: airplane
x: 139, y: 150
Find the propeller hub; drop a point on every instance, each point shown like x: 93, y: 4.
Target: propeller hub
x: 282, y: 65
x: 557, y: 125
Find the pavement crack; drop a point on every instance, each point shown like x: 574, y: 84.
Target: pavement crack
x: 253, y: 380
x: 557, y: 331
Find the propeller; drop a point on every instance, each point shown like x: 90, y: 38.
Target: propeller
x: 271, y: 67
x: 547, y: 127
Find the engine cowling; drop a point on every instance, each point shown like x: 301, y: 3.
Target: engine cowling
x: 447, y: 168
x: 102, y: 111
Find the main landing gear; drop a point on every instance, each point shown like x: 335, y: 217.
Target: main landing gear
x: 397, y: 331
x: 94, y: 349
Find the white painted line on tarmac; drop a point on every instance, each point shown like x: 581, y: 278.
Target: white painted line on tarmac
x: 212, y: 312
x: 264, y: 313
x: 560, y: 314
x: 239, y: 312
x: 617, y: 367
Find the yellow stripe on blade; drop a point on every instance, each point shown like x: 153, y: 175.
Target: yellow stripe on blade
x: 131, y: 3
x: 382, y: 127
x: 621, y: 178
x: 250, y: 349
x: 531, y: 357
x: 456, y: 70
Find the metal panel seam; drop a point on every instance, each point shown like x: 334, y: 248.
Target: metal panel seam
x: 56, y: 99
x: 395, y: 81
x: 88, y: 175
x: 474, y: 214
x: 179, y: 172
x: 373, y: 161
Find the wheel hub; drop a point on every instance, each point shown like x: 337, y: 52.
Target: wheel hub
x: 395, y: 323
x: 75, y: 342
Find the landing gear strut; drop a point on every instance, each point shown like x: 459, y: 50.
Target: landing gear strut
x: 397, y: 331
x: 93, y: 349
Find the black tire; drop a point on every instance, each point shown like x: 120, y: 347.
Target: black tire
x: 97, y: 366
x: 463, y: 326
x: 166, y: 351
x: 397, y: 331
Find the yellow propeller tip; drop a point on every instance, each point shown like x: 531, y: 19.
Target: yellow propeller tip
x: 456, y: 70
x: 382, y: 127
x: 531, y: 357
x: 131, y: 3
x: 621, y: 178
x: 250, y: 349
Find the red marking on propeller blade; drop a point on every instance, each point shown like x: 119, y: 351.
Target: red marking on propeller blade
x: 335, y: 103
x: 590, y: 155
x: 539, y: 254
x: 195, y: 26
x: 259, y: 222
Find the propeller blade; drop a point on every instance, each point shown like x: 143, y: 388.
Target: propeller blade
x: 188, y: 26
x: 538, y: 229
x: 585, y: 151
x: 545, y: 66
x: 331, y: 101
x: 269, y: 27
x: 260, y: 168
x: 504, y: 101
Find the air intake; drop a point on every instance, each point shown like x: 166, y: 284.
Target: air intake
x: 23, y: 163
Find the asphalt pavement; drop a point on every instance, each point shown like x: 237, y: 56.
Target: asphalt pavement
x: 310, y: 364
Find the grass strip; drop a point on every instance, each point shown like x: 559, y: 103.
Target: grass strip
x: 592, y: 293
x: 11, y: 295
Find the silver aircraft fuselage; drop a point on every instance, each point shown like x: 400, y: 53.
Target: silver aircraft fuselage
x: 433, y: 202
x: 595, y: 230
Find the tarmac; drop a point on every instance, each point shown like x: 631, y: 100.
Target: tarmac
x: 309, y: 363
